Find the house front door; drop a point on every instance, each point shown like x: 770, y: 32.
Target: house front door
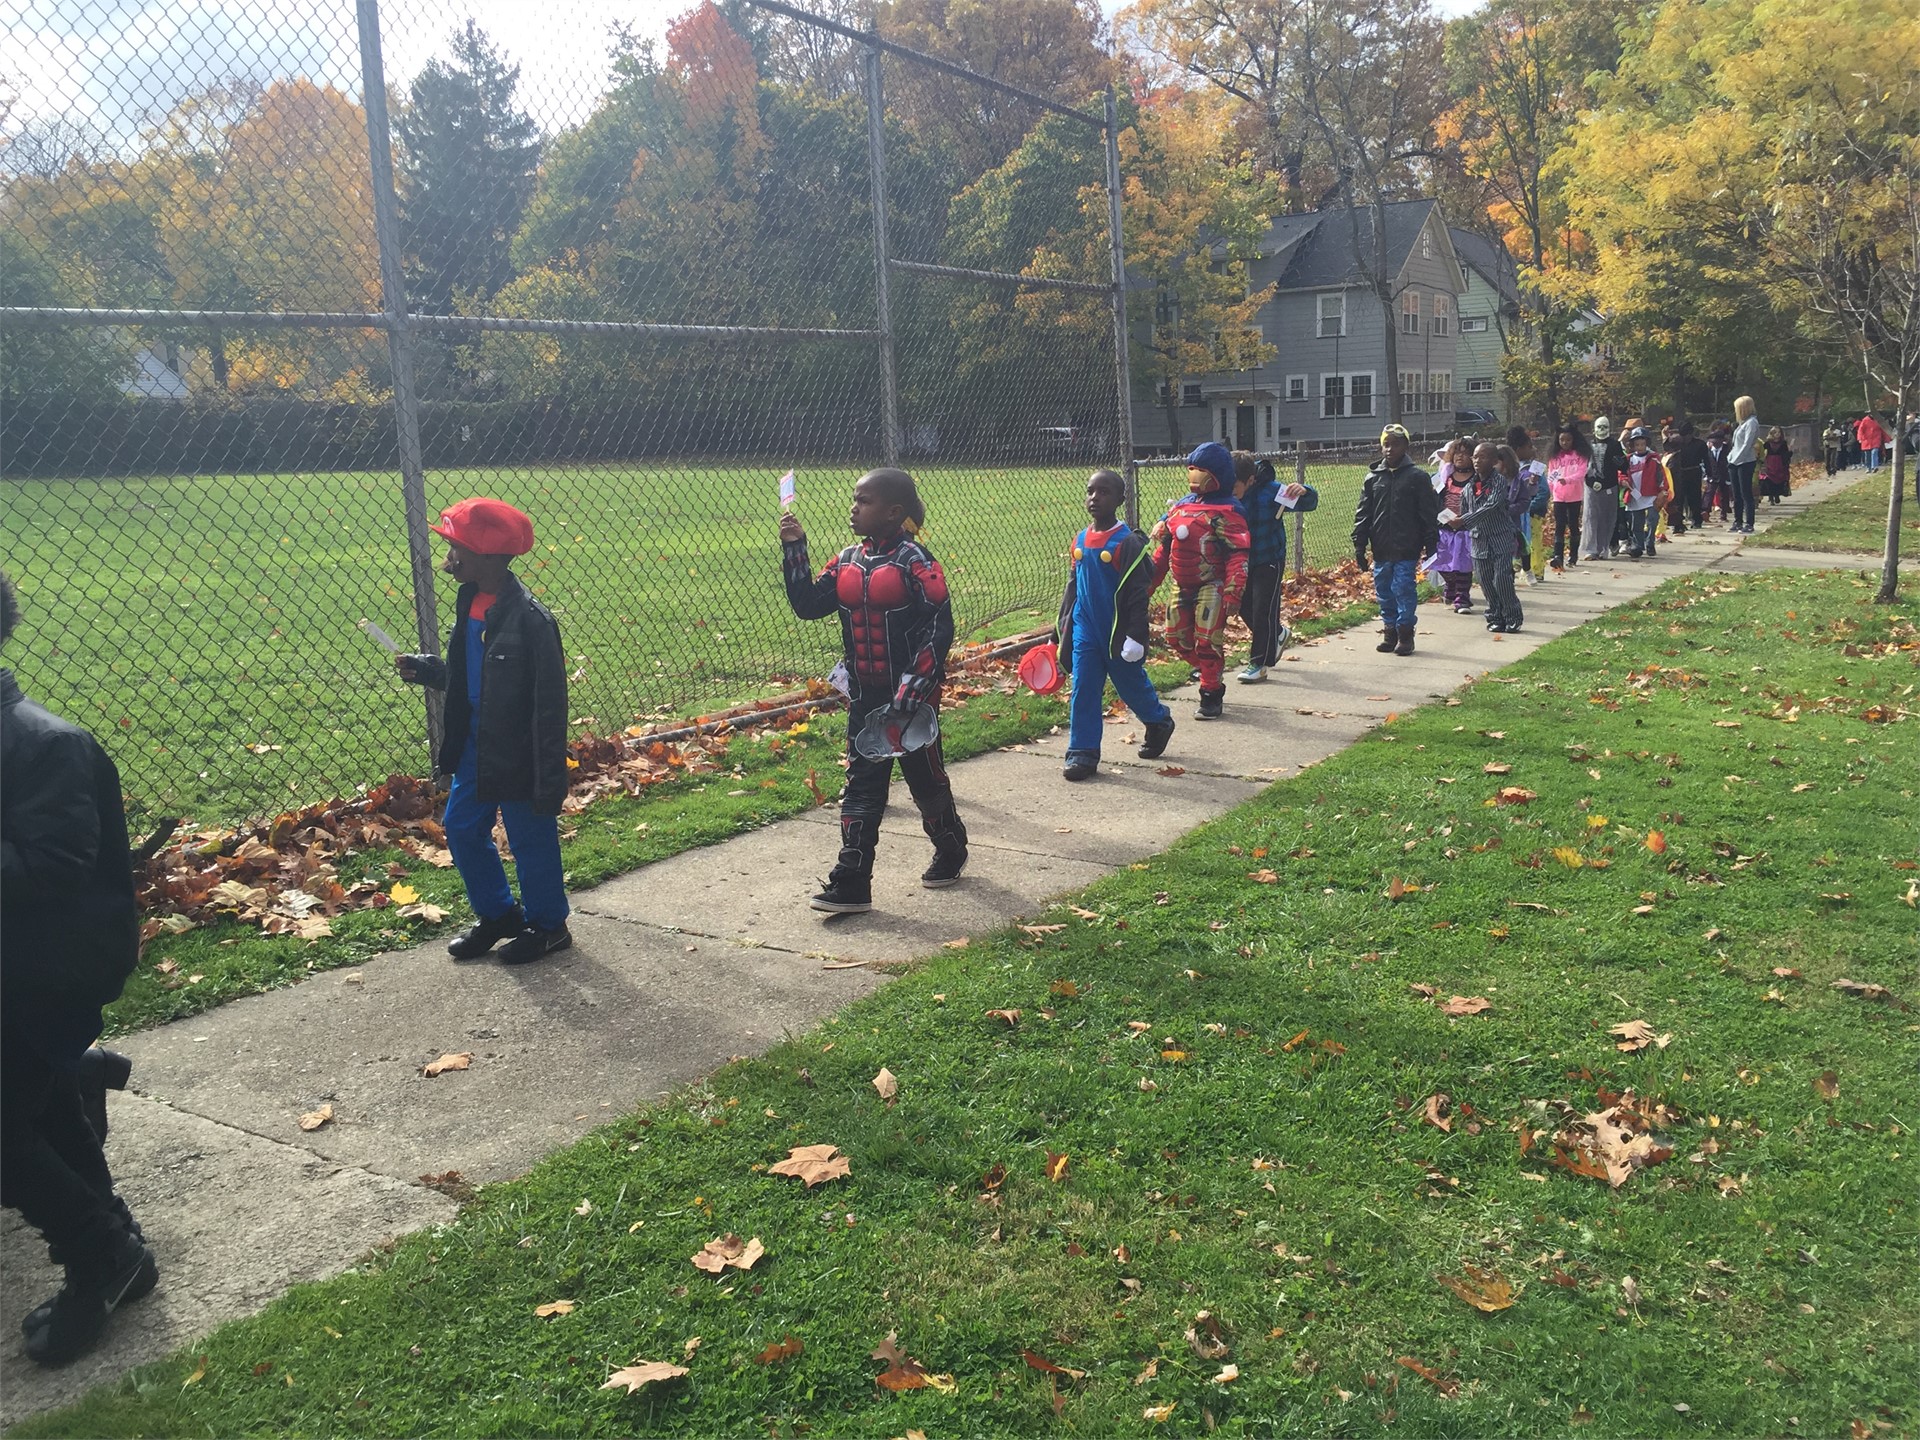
x: 1243, y: 433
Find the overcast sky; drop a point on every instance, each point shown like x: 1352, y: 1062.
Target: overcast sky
x: 109, y: 65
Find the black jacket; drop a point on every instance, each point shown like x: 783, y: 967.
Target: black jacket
x: 523, y: 700
x: 1398, y: 514
x: 69, y: 926
x: 1130, y: 601
x: 1606, y: 463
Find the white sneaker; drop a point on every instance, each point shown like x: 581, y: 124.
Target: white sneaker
x: 1253, y: 674
x: 1284, y: 639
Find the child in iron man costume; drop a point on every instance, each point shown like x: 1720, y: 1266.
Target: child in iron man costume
x: 1203, y: 540
x: 897, y: 626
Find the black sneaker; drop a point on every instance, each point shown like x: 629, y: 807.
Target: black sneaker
x: 143, y: 1285
x: 1212, y: 704
x: 945, y: 869
x: 533, y: 943
x: 1081, y: 765
x: 77, y: 1317
x: 1159, y: 732
x: 478, y: 939
x: 841, y: 895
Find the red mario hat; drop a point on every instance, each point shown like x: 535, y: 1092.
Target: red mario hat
x: 486, y: 527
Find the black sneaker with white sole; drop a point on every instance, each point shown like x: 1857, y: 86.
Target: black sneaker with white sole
x: 843, y: 895
x: 945, y: 869
x: 77, y: 1317
x: 533, y: 943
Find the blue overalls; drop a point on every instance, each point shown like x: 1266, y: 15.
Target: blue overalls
x: 535, y: 838
x: 1097, y: 582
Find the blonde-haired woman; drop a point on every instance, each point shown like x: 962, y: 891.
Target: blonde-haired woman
x: 1740, y: 462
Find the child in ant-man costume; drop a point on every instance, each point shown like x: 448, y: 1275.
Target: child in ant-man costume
x: 1102, y: 629
x: 1203, y: 541
x: 897, y: 625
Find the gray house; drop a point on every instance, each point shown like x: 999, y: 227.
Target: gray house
x: 1490, y: 324
x: 1329, y: 382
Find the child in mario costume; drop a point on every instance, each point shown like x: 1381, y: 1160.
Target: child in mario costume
x: 1102, y: 629
x: 1203, y: 540
x: 506, y: 734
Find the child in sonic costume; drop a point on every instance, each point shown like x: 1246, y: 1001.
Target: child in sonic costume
x: 1203, y: 540
x: 1102, y: 629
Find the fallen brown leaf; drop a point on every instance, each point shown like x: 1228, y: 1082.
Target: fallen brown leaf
x: 1206, y: 1338
x: 1827, y: 1085
x: 1637, y: 1035
x: 1435, y: 1112
x: 1262, y: 876
x: 1514, y: 795
x: 716, y: 1255
x: 314, y: 1119
x: 903, y: 1372
x: 785, y: 1350
x: 1012, y: 1017
x: 1482, y: 1289
x: 886, y: 1084
x: 1171, y: 771
x: 1446, y: 1387
x: 1159, y: 1414
x: 1459, y: 1005
x: 554, y: 1307
x: 1047, y: 1367
x: 644, y: 1372
x: 460, y: 1060
x: 1865, y: 989
x: 1056, y: 1167
x: 813, y: 1164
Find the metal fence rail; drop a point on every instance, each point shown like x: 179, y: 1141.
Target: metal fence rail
x: 270, y: 302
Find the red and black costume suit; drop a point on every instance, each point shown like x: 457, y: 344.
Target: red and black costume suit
x: 897, y: 626
x: 1203, y: 541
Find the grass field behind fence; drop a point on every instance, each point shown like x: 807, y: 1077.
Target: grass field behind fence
x: 204, y: 626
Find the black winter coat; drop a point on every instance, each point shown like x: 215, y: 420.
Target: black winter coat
x: 69, y: 926
x: 523, y: 700
x: 1606, y: 463
x: 1398, y: 515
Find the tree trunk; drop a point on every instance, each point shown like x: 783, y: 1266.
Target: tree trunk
x: 1173, y: 418
x: 1890, y: 558
x: 217, y: 358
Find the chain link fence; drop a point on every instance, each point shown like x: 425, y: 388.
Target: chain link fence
x: 277, y: 283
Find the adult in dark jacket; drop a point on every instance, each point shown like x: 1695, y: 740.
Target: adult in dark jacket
x: 1398, y: 519
x: 71, y: 935
x: 506, y: 735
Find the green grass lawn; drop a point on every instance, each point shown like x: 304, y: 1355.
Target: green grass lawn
x: 1855, y: 519
x: 205, y: 625
x: 1227, y: 1048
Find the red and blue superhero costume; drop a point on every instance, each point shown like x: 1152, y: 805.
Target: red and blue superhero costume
x: 897, y: 626
x: 1202, y: 541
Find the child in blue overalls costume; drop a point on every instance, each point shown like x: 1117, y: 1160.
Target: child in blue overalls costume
x: 1102, y: 629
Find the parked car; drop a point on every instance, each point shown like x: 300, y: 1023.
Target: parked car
x: 1071, y: 441
x: 1465, y: 420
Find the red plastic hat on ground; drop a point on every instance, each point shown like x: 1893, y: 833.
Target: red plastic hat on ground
x: 1040, y: 669
x: 487, y: 527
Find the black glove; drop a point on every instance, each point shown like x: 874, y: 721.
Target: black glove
x: 1360, y: 557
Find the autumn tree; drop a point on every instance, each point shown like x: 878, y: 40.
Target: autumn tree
x: 467, y: 161
x: 1519, y: 73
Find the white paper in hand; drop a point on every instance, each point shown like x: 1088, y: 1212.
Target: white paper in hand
x: 1446, y: 515
x: 380, y: 637
x: 786, y: 491
x: 842, y: 679
x: 1287, y: 502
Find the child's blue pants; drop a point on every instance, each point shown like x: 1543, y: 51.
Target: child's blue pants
x: 1398, y: 592
x: 536, y: 851
x: 1092, y: 668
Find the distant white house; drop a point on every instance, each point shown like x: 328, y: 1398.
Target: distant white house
x: 1329, y: 382
x: 158, y: 374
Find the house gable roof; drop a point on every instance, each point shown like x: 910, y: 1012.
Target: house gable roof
x: 1489, y: 260
x: 1322, y: 247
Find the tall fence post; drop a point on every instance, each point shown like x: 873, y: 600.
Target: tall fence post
x: 1299, y: 517
x: 882, y: 278
x: 406, y: 400
x: 1122, y: 363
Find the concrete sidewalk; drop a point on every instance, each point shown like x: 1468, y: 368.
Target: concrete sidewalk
x: 676, y: 968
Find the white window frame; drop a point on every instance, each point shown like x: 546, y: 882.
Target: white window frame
x: 1226, y: 420
x: 1439, y: 400
x: 1409, y: 312
x: 1426, y: 244
x: 1296, y: 387
x: 1474, y: 325
x: 1480, y: 385
x: 1346, y: 406
x: 1442, y: 314
x: 1190, y: 393
x: 1266, y: 422
x: 1411, y: 397
x: 1321, y: 317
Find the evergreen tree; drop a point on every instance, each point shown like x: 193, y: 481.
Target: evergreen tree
x: 468, y: 160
